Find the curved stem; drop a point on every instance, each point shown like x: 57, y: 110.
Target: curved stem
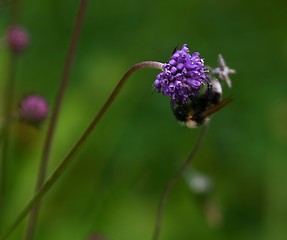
x: 67, y: 160
x: 58, y: 102
x: 173, y: 180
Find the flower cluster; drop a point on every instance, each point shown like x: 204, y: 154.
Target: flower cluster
x: 17, y: 39
x: 182, y: 76
x: 34, y: 109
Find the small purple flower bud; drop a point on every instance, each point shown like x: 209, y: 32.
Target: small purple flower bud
x: 185, y: 48
x: 17, y: 39
x: 172, y: 62
x: 182, y: 76
x: 195, y: 84
x: 34, y: 109
x: 173, y: 70
x: 180, y: 66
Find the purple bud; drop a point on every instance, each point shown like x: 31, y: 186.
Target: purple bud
x: 180, y: 66
x: 195, y: 84
x: 172, y: 62
x: 173, y: 70
x: 185, y: 48
x: 34, y: 109
x: 17, y: 39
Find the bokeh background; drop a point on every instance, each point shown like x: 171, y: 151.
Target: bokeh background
x: 113, y: 186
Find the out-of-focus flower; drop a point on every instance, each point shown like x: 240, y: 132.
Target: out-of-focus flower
x: 17, y: 39
x: 199, y: 183
x: 182, y: 76
x: 202, y: 186
x: 34, y: 109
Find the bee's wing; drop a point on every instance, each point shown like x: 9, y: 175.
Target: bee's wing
x: 217, y: 107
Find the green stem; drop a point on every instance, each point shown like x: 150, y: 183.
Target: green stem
x: 67, y: 160
x: 54, y: 117
x: 5, y: 131
x: 8, y: 94
x: 173, y: 180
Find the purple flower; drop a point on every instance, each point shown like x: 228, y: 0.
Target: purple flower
x: 34, y: 109
x: 17, y: 39
x: 182, y: 76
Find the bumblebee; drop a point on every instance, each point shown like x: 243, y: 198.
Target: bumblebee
x: 197, y: 111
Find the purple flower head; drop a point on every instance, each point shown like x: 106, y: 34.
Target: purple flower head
x: 182, y: 76
x: 34, y: 109
x: 17, y: 39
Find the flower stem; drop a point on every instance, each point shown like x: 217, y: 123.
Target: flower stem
x: 5, y: 136
x: 15, y: 11
x: 173, y: 180
x: 67, y: 160
x: 54, y: 117
x: 8, y: 94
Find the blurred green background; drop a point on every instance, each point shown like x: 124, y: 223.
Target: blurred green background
x: 114, y: 184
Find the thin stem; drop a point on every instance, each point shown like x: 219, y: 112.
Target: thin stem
x: 5, y: 136
x: 67, y: 160
x: 58, y: 102
x: 173, y: 180
x: 15, y: 11
x: 8, y: 94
